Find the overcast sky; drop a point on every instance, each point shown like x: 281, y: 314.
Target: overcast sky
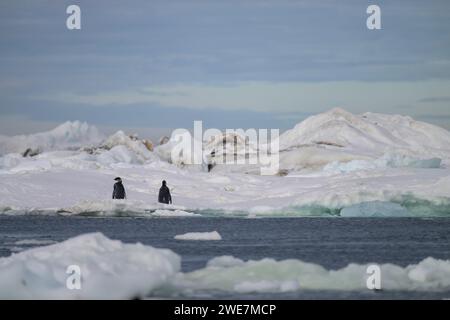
x: 147, y: 66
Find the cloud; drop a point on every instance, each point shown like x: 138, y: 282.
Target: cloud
x: 260, y: 96
x: 435, y: 99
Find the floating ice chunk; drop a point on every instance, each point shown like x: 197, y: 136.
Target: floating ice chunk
x: 109, y: 270
x: 269, y: 275
x: 214, y: 235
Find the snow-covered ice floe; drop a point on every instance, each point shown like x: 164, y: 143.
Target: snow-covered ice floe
x: 268, y: 275
x: 112, y: 269
x: 331, y: 164
x: 202, y: 236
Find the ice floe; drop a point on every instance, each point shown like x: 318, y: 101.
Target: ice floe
x: 116, y: 270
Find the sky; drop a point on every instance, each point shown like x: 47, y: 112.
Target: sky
x: 151, y: 66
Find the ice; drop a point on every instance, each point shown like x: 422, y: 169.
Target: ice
x: 331, y: 162
x: 339, y: 136
x: 225, y: 262
x: 109, y: 270
x: 91, y: 153
x: 375, y: 209
x: 388, y: 160
x: 173, y: 213
x: 68, y: 135
x: 371, y: 132
x: 202, y: 236
x: 269, y: 275
x: 124, y: 146
x: 125, y: 208
x: 267, y: 286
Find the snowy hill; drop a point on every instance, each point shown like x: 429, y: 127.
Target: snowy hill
x: 369, y: 132
x: 68, y: 135
x: 338, y: 135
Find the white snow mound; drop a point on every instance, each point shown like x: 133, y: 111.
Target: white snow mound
x: 109, y: 269
x: 340, y: 136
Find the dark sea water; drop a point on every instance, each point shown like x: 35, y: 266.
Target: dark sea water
x: 330, y: 242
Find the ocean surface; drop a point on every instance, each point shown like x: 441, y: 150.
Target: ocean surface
x: 330, y: 242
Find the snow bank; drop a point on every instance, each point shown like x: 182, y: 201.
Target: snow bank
x: 268, y: 275
x: 69, y: 135
x: 109, y: 270
x: 214, y: 235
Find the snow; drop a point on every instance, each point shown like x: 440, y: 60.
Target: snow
x: 126, y: 149
x: 88, y: 191
x: 338, y: 135
x: 69, y: 135
x: 109, y: 270
x: 368, y: 132
x: 334, y: 164
x: 202, y: 236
